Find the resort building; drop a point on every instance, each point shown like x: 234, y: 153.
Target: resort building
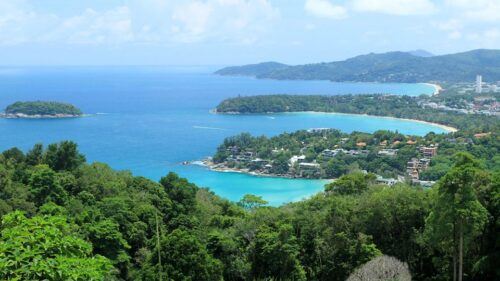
x: 309, y: 170
x: 297, y: 159
x: 428, y: 152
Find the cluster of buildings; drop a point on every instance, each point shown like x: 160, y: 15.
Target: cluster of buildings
x: 416, y: 165
x: 485, y: 101
x: 299, y: 166
x: 481, y: 105
x: 482, y: 87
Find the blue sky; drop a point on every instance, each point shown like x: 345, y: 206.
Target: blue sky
x: 225, y: 32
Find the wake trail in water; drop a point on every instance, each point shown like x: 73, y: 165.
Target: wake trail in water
x: 208, y: 128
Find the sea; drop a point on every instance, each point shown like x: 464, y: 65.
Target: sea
x: 151, y: 119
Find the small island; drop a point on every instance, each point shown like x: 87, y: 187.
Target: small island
x: 41, y: 109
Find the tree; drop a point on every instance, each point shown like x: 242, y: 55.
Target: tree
x: 35, y: 155
x: 184, y: 257
x: 457, y: 216
x: 394, y: 217
x: 354, y: 183
x: 14, y: 154
x: 63, y: 156
x: 250, y: 202
x: 46, y: 248
x: 181, y: 192
x: 108, y: 241
x: 45, y: 186
x: 275, y: 254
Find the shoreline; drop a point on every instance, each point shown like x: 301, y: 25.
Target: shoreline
x: 39, y: 116
x: 224, y: 169
x: 447, y: 128
x: 437, y: 88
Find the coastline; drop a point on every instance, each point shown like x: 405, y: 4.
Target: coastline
x: 37, y: 116
x: 437, y: 88
x: 224, y: 169
x: 447, y: 128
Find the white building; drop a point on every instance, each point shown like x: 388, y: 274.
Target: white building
x: 297, y: 159
x: 479, y: 84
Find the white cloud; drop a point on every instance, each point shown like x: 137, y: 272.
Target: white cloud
x: 477, y: 10
x: 141, y: 21
x: 395, y: 7
x: 92, y: 27
x: 19, y: 23
x: 237, y: 21
x: 325, y: 9
x: 191, y: 20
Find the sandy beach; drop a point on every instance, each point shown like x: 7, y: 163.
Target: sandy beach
x: 436, y: 87
x: 444, y: 127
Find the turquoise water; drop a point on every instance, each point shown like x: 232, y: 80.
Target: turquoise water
x: 150, y: 119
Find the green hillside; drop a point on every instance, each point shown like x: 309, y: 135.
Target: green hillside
x: 387, y: 67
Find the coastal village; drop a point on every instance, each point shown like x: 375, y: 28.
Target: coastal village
x: 245, y: 160
x: 477, y: 98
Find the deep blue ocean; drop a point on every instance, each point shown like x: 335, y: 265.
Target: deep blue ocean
x: 150, y: 119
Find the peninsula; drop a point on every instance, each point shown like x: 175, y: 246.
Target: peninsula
x: 448, y: 110
x: 41, y: 109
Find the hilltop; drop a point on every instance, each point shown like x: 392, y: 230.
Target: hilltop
x: 402, y: 67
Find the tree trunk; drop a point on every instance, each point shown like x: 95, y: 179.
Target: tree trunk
x: 454, y: 263
x: 460, y: 253
x: 455, y: 252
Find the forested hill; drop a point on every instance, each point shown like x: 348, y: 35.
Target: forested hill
x: 65, y: 219
x: 386, y: 67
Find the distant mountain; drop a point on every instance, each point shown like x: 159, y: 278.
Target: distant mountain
x: 421, y: 53
x: 252, y: 69
x: 386, y: 67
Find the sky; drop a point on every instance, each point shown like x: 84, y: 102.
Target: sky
x: 228, y: 32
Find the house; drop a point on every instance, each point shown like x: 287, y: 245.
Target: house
x: 328, y: 153
x: 297, y: 159
x: 233, y: 149
x: 267, y: 168
x: 389, y: 181
x: 361, y: 144
x: 415, y: 166
x: 353, y: 152
x: 414, y: 175
x: 423, y: 163
x: 428, y: 152
x: 258, y: 163
x: 425, y: 183
x: 481, y: 135
x: 309, y: 169
x: 388, y: 152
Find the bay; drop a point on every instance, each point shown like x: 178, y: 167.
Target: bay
x: 150, y: 119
